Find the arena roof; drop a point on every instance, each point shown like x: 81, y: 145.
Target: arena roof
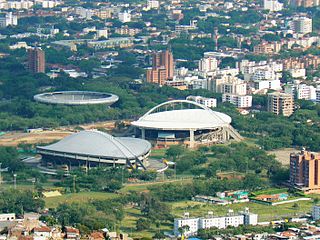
x: 100, y: 144
x: 76, y: 98
x: 195, y: 117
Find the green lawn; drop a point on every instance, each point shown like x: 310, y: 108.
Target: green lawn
x: 271, y: 191
x: 266, y: 213
x: 53, y: 202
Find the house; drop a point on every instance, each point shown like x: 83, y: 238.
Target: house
x: 42, y: 232
x: 71, y: 233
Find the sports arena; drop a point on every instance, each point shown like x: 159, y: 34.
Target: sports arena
x: 185, y: 122
x: 76, y: 98
x: 94, y: 148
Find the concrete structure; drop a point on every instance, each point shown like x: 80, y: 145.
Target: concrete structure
x: 185, y: 122
x: 267, y: 48
x: 280, y: 103
x: 241, y: 101
x: 318, y: 94
x: 301, y: 25
x: 8, y: 19
x: 124, y: 16
x: 162, y: 68
x: 36, y: 60
x: 272, y: 5
x: 301, y: 91
x: 208, y: 102
x: 7, y: 217
x: 95, y: 148
x: 208, y: 64
x: 315, y: 212
x: 102, y: 33
x: 210, y: 221
x: 305, y: 171
x: 153, y: 4
x: 76, y: 98
x: 266, y: 84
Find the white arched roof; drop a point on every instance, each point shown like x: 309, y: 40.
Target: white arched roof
x: 182, y: 119
x: 100, y: 144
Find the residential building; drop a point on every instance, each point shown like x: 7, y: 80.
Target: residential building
x: 192, y: 223
x: 267, y: 48
x: 162, y: 67
x: 301, y: 62
x: 102, y: 33
x: 7, y: 217
x: 305, y: 171
x: 266, y: 84
x: 208, y: 64
x: 301, y: 91
x: 124, y: 16
x: 318, y: 94
x: 36, y: 60
x: 8, y: 19
x: 304, y: 3
x: 153, y: 4
x: 208, y: 102
x: 272, y: 5
x: 157, y: 75
x: 241, y: 101
x: 280, y: 103
x: 301, y: 25
x: 210, y: 221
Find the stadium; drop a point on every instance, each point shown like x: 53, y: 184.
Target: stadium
x: 76, y: 98
x: 185, y: 122
x: 93, y: 148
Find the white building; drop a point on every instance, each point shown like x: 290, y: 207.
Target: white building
x: 272, y: 5
x: 208, y: 64
x: 194, y: 224
x: 8, y: 19
x: 124, y: 16
x: 301, y: 25
x: 84, y: 13
x: 153, y: 4
x: 208, y: 102
x: 298, y: 72
x: 318, y: 94
x: 267, y: 84
x: 301, y: 91
x: 240, y: 101
x: 4, y: 217
x: 102, y: 33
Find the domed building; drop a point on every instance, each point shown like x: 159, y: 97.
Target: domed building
x: 94, y: 148
x: 185, y: 122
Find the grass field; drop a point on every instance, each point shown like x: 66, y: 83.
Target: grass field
x: 266, y: 213
x: 82, y: 197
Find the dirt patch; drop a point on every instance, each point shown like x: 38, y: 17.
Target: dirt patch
x: 283, y: 155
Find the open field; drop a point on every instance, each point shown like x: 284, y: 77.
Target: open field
x: 266, y: 213
x: 283, y: 155
x: 16, y: 138
x: 46, y: 136
x: 81, y: 197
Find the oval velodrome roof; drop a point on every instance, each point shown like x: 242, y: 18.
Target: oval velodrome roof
x: 100, y: 144
x: 183, y: 119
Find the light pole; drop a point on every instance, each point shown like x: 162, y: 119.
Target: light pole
x: 15, y: 181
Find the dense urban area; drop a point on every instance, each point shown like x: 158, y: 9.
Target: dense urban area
x: 159, y: 119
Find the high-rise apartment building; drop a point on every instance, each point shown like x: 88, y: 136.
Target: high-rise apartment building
x: 301, y: 25
x: 318, y: 94
x: 36, y: 60
x: 280, y: 103
x: 305, y: 171
x: 162, y: 67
